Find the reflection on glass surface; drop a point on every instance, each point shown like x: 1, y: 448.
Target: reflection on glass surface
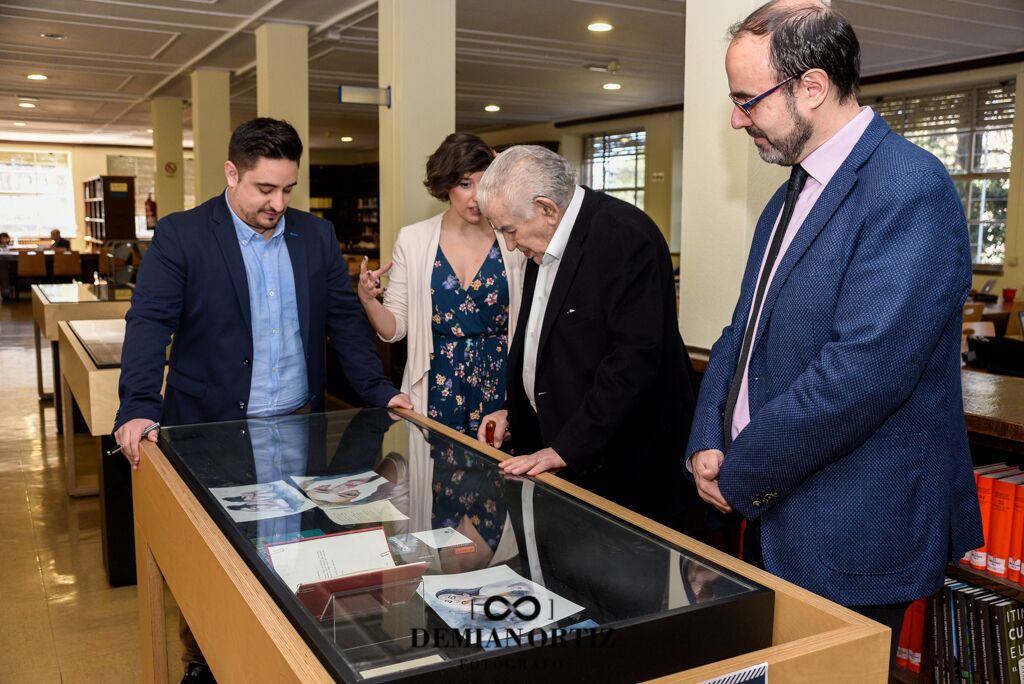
x: 448, y: 515
x: 78, y: 293
x: 102, y: 340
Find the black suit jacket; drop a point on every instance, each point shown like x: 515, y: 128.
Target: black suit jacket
x: 614, y: 394
x: 192, y: 283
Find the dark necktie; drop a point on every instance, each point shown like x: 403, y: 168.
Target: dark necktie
x: 797, y: 178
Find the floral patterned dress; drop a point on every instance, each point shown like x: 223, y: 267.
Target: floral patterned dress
x: 470, y: 330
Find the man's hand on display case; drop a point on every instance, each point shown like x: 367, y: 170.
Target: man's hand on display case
x: 706, y: 465
x: 533, y: 464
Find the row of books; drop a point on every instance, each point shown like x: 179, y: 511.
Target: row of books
x: 977, y: 635
x: 908, y: 655
x: 1001, y: 498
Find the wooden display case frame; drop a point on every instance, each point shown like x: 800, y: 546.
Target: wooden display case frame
x: 246, y: 638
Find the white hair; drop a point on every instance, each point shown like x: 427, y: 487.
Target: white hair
x: 521, y: 174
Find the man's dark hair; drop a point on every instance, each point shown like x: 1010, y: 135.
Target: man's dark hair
x: 804, y: 37
x: 457, y: 155
x: 263, y: 137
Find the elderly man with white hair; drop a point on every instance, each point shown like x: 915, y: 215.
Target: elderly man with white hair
x: 598, y: 378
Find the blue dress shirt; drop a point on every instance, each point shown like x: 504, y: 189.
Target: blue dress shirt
x: 279, y: 383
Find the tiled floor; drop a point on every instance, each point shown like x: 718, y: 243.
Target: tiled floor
x: 59, y: 619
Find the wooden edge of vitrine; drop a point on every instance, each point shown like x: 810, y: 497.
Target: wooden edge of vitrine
x: 244, y: 635
x: 814, y: 639
x: 95, y: 388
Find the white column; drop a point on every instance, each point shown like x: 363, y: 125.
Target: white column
x: 169, y: 180
x: 282, y: 88
x: 725, y: 184
x: 211, y: 129
x: 416, y: 42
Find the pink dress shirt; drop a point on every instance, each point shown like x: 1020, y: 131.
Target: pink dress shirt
x: 820, y: 165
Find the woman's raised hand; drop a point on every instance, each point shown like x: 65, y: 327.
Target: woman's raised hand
x: 369, y: 281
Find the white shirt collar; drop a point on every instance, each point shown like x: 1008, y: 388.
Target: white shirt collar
x: 560, y: 239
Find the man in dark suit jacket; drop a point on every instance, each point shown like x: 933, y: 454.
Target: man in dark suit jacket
x: 598, y: 378
x: 207, y: 282
x: 830, y: 414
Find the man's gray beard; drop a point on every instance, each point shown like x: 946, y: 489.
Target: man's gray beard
x: 787, y: 152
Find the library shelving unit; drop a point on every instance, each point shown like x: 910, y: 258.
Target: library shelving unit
x: 109, y: 209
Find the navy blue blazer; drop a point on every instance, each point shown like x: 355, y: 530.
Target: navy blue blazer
x: 856, y: 458
x: 192, y: 284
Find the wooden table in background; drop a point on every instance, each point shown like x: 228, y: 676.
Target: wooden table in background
x: 65, y: 302
x: 994, y: 409
x: 999, y: 314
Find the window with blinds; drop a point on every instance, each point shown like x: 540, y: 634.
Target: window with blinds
x: 36, y: 194
x: 614, y: 163
x: 971, y: 131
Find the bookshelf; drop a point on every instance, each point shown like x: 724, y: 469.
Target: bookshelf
x: 983, y: 579
x: 109, y: 209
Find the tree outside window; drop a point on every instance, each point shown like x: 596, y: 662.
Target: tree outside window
x: 971, y: 131
x: 614, y: 163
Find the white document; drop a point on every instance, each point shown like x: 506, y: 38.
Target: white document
x: 439, y: 539
x: 316, y: 559
x: 518, y: 604
x: 345, y: 490
x: 378, y: 511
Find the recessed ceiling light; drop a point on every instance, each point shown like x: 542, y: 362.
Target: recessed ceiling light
x: 53, y: 36
x: 149, y: 130
x: 36, y: 77
x: 600, y: 27
x: 27, y: 105
x: 612, y: 86
x: 19, y: 124
x: 346, y: 138
x: 492, y: 108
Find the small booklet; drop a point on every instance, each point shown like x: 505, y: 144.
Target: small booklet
x: 316, y: 559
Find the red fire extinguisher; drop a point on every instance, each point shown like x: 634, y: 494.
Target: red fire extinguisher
x: 150, y: 213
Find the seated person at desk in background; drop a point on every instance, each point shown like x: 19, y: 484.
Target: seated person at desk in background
x: 454, y: 291
x: 57, y: 242
x: 598, y: 379
x: 5, y: 242
x: 250, y: 289
x: 831, y: 414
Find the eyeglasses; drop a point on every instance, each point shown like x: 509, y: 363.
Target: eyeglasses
x: 749, y: 104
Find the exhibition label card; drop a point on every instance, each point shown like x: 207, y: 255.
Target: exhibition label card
x: 378, y: 511
x: 316, y: 559
x: 439, y: 539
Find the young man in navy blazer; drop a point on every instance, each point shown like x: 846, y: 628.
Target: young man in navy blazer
x: 830, y: 415
x: 250, y: 289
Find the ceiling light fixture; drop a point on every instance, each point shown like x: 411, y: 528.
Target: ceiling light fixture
x: 492, y: 108
x: 36, y: 77
x: 612, y: 86
x: 600, y: 27
x: 149, y: 130
x: 26, y: 105
x: 612, y: 67
x: 53, y: 36
x: 19, y: 124
x: 346, y: 138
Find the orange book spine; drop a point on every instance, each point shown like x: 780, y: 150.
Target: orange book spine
x: 1016, y: 536
x: 903, y: 649
x: 997, y: 543
x: 979, y: 556
x: 917, y: 610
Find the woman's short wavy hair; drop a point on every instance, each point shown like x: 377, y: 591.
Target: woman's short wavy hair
x: 457, y: 155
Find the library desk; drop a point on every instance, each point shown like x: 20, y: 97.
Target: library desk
x: 252, y: 627
x: 994, y: 409
x: 64, y: 302
x: 998, y: 313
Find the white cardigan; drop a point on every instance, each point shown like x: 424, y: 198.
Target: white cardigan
x: 408, y: 298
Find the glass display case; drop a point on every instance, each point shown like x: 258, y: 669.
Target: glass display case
x: 400, y: 552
